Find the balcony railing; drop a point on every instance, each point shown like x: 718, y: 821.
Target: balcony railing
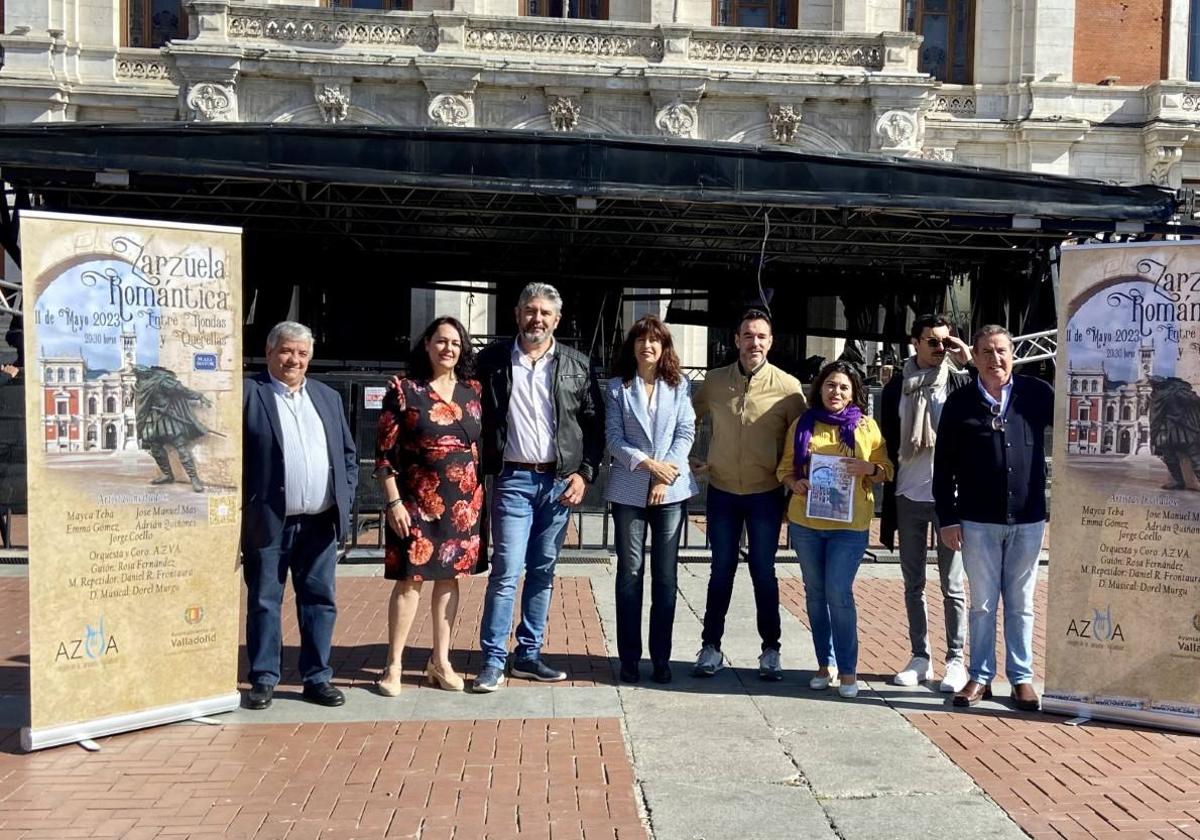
x: 455, y: 34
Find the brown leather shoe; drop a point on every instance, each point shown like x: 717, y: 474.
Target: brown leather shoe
x: 1025, y: 698
x: 972, y: 693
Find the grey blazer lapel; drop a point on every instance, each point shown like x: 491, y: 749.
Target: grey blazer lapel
x: 635, y: 398
x: 667, y: 409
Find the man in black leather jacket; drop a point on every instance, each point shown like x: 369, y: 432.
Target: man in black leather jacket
x: 543, y: 438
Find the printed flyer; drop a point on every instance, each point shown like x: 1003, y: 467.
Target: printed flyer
x: 1123, y: 629
x: 133, y: 417
x: 831, y: 490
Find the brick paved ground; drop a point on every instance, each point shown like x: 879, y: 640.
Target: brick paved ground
x: 1056, y: 781
x: 883, y: 624
x: 468, y: 780
x: 574, y: 637
x: 1097, y: 780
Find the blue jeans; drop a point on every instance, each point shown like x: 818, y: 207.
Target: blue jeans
x: 761, y: 514
x: 528, y: 527
x: 829, y: 561
x: 308, y: 547
x: 665, y: 523
x: 1001, y: 562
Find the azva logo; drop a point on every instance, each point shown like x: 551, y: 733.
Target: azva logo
x: 94, y: 644
x: 1100, y: 627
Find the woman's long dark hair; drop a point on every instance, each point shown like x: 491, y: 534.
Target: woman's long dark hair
x: 858, y: 397
x: 419, y: 366
x: 651, y: 326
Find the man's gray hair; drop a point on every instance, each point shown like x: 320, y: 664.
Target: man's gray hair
x: 540, y: 290
x: 989, y: 330
x: 288, y: 331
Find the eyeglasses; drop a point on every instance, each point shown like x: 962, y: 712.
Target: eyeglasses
x: 998, y: 423
x: 935, y: 343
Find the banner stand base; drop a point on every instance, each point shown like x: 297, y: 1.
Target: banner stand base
x: 82, y: 731
x: 1116, y: 714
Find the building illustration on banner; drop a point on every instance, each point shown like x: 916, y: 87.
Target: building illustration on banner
x: 1127, y: 396
x: 102, y: 391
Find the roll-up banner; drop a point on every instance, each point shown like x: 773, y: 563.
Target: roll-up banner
x: 1123, y: 623
x: 133, y: 415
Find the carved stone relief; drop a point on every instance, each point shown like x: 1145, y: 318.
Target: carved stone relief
x: 785, y: 120
x: 944, y: 154
x: 563, y: 112
x: 897, y: 131
x: 1161, y: 161
x: 452, y: 109
x: 211, y: 102
x: 677, y: 119
x: 333, y: 101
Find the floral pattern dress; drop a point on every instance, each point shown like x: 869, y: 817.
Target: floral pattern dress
x: 432, y: 447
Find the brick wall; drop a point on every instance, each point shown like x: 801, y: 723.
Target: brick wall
x: 1125, y: 38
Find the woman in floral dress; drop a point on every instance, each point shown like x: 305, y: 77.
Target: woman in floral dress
x: 427, y: 461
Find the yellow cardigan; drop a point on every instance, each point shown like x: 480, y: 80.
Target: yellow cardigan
x: 868, y: 445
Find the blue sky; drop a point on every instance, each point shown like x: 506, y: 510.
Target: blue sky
x: 70, y: 292
x: 1098, y: 312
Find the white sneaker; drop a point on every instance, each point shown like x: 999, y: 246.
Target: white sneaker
x: 956, y: 677
x: 819, y: 683
x: 768, y: 665
x: 848, y: 690
x: 916, y: 672
x: 708, y: 662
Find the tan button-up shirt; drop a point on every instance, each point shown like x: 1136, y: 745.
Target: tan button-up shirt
x: 750, y: 419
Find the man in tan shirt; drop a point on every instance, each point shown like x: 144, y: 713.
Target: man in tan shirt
x: 752, y: 404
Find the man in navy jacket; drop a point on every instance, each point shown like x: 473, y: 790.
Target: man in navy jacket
x: 300, y: 470
x: 989, y: 489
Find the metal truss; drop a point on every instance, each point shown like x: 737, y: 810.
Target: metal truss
x: 615, y: 236
x: 1035, y: 347
x: 10, y: 297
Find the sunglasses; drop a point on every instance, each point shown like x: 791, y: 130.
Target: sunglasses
x: 936, y: 343
x: 998, y: 423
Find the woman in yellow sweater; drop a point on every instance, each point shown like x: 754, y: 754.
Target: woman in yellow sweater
x: 833, y: 500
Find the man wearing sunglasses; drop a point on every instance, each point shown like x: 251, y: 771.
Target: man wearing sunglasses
x: 911, y: 409
x: 989, y: 490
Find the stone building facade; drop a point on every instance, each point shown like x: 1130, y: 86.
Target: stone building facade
x: 1091, y: 88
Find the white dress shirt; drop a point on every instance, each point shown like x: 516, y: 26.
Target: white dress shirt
x: 308, y: 481
x: 531, y: 424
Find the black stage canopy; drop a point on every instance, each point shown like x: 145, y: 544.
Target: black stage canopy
x: 418, y: 206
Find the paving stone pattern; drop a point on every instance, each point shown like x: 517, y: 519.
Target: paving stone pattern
x: 551, y: 779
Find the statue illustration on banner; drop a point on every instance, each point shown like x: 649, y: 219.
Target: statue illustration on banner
x: 134, y: 426
x: 1123, y: 636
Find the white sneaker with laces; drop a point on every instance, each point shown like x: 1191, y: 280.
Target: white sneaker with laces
x: 916, y: 672
x: 768, y: 665
x: 708, y: 662
x: 955, y: 678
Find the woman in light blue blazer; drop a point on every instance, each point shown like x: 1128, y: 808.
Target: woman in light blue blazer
x: 650, y: 426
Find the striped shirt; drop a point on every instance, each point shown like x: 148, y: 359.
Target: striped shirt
x: 308, y: 480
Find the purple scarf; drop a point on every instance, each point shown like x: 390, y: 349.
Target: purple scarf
x: 846, y: 421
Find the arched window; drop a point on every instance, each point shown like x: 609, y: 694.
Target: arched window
x: 586, y: 9
x: 110, y: 404
x: 1126, y: 412
x: 93, y: 405
x: 1110, y: 413
x: 71, y: 375
x: 151, y: 23
x: 49, y: 374
x: 772, y: 14
x: 948, y: 27
x: 62, y: 375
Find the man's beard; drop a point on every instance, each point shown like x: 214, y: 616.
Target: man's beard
x: 535, y: 338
